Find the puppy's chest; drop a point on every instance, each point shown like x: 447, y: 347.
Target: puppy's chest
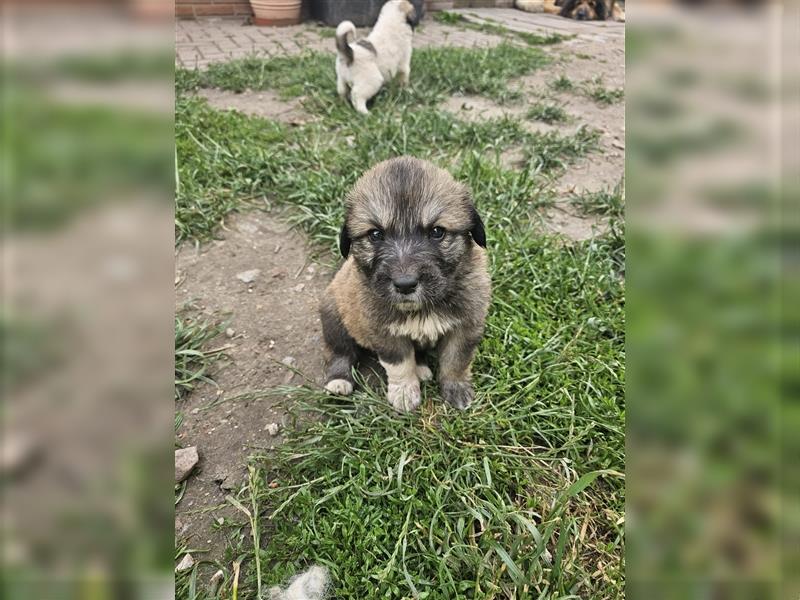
x: 425, y: 329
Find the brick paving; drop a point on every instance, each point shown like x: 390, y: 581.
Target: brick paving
x: 204, y: 41
x: 201, y: 42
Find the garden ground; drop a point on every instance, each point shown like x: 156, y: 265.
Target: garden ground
x: 521, y: 495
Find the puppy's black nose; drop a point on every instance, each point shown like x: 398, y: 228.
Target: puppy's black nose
x: 405, y: 284
x: 582, y: 15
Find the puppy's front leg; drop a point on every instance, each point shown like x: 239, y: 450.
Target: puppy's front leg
x: 403, y: 383
x: 456, y: 350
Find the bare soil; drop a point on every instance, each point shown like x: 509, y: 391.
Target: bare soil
x: 274, y: 321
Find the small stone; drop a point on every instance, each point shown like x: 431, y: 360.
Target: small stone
x: 271, y: 344
x: 289, y: 361
x: 299, y: 287
x: 230, y: 332
x: 220, y: 520
x: 185, y: 461
x: 277, y: 249
x: 18, y: 453
x: 187, y: 562
x: 248, y: 276
x: 194, y: 411
x: 273, y: 429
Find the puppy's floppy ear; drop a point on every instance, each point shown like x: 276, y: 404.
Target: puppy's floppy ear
x: 415, y: 12
x: 344, y: 240
x: 601, y: 9
x: 477, y: 230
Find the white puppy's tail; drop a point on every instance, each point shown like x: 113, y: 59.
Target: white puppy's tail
x: 345, y: 34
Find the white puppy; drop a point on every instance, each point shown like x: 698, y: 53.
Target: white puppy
x: 363, y: 66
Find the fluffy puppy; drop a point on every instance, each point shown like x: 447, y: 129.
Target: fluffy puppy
x: 414, y: 279
x: 591, y: 10
x: 363, y: 66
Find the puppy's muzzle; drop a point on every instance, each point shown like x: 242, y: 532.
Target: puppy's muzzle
x: 582, y: 14
x: 405, y: 284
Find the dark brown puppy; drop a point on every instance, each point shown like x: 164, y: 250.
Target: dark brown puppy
x: 414, y: 278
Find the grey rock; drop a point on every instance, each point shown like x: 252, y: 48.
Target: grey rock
x: 185, y: 461
x: 248, y: 276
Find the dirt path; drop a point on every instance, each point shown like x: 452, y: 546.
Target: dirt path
x: 273, y: 321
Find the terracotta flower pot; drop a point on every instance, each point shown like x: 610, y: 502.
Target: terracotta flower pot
x: 276, y: 12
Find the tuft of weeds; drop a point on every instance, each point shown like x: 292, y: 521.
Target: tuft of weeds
x: 547, y: 113
x: 192, y: 359
x: 607, y: 203
x: 562, y: 84
x: 605, y: 96
x: 550, y: 151
x: 449, y: 18
x: 593, y: 89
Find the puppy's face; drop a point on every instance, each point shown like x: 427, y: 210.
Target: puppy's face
x: 586, y: 10
x: 411, y: 229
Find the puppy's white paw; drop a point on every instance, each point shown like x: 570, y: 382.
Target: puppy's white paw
x: 339, y: 387
x: 405, y: 396
x: 424, y: 373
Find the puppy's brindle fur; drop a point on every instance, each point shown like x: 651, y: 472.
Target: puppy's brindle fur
x: 408, y: 220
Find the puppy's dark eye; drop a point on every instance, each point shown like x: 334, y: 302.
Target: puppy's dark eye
x: 437, y: 233
x: 375, y: 235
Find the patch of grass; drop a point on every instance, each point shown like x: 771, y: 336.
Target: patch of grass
x: 562, y: 84
x: 227, y: 159
x: 490, y: 27
x: 550, y: 151
x: 605, y: 96
x: 449, y: 18
x: 437, y: 72
x: 291, y: 75
x: 192, y: 358
x: 547, y: 113
x: 326, y: 32
x: 488, y: 503
x: 606, y: 203
x: 482, y: 71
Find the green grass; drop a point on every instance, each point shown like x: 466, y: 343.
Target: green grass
x: 326, y: 32
x: 192, y: 357
x: 607, y: 203
x: 562, y: 84
x: 491, y: 27
x: 547, y: 113
x: 605, y: 96
x: 593, y: 89
x: 520, y: 496
x: 437, y: 72
x: 227, y: 159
